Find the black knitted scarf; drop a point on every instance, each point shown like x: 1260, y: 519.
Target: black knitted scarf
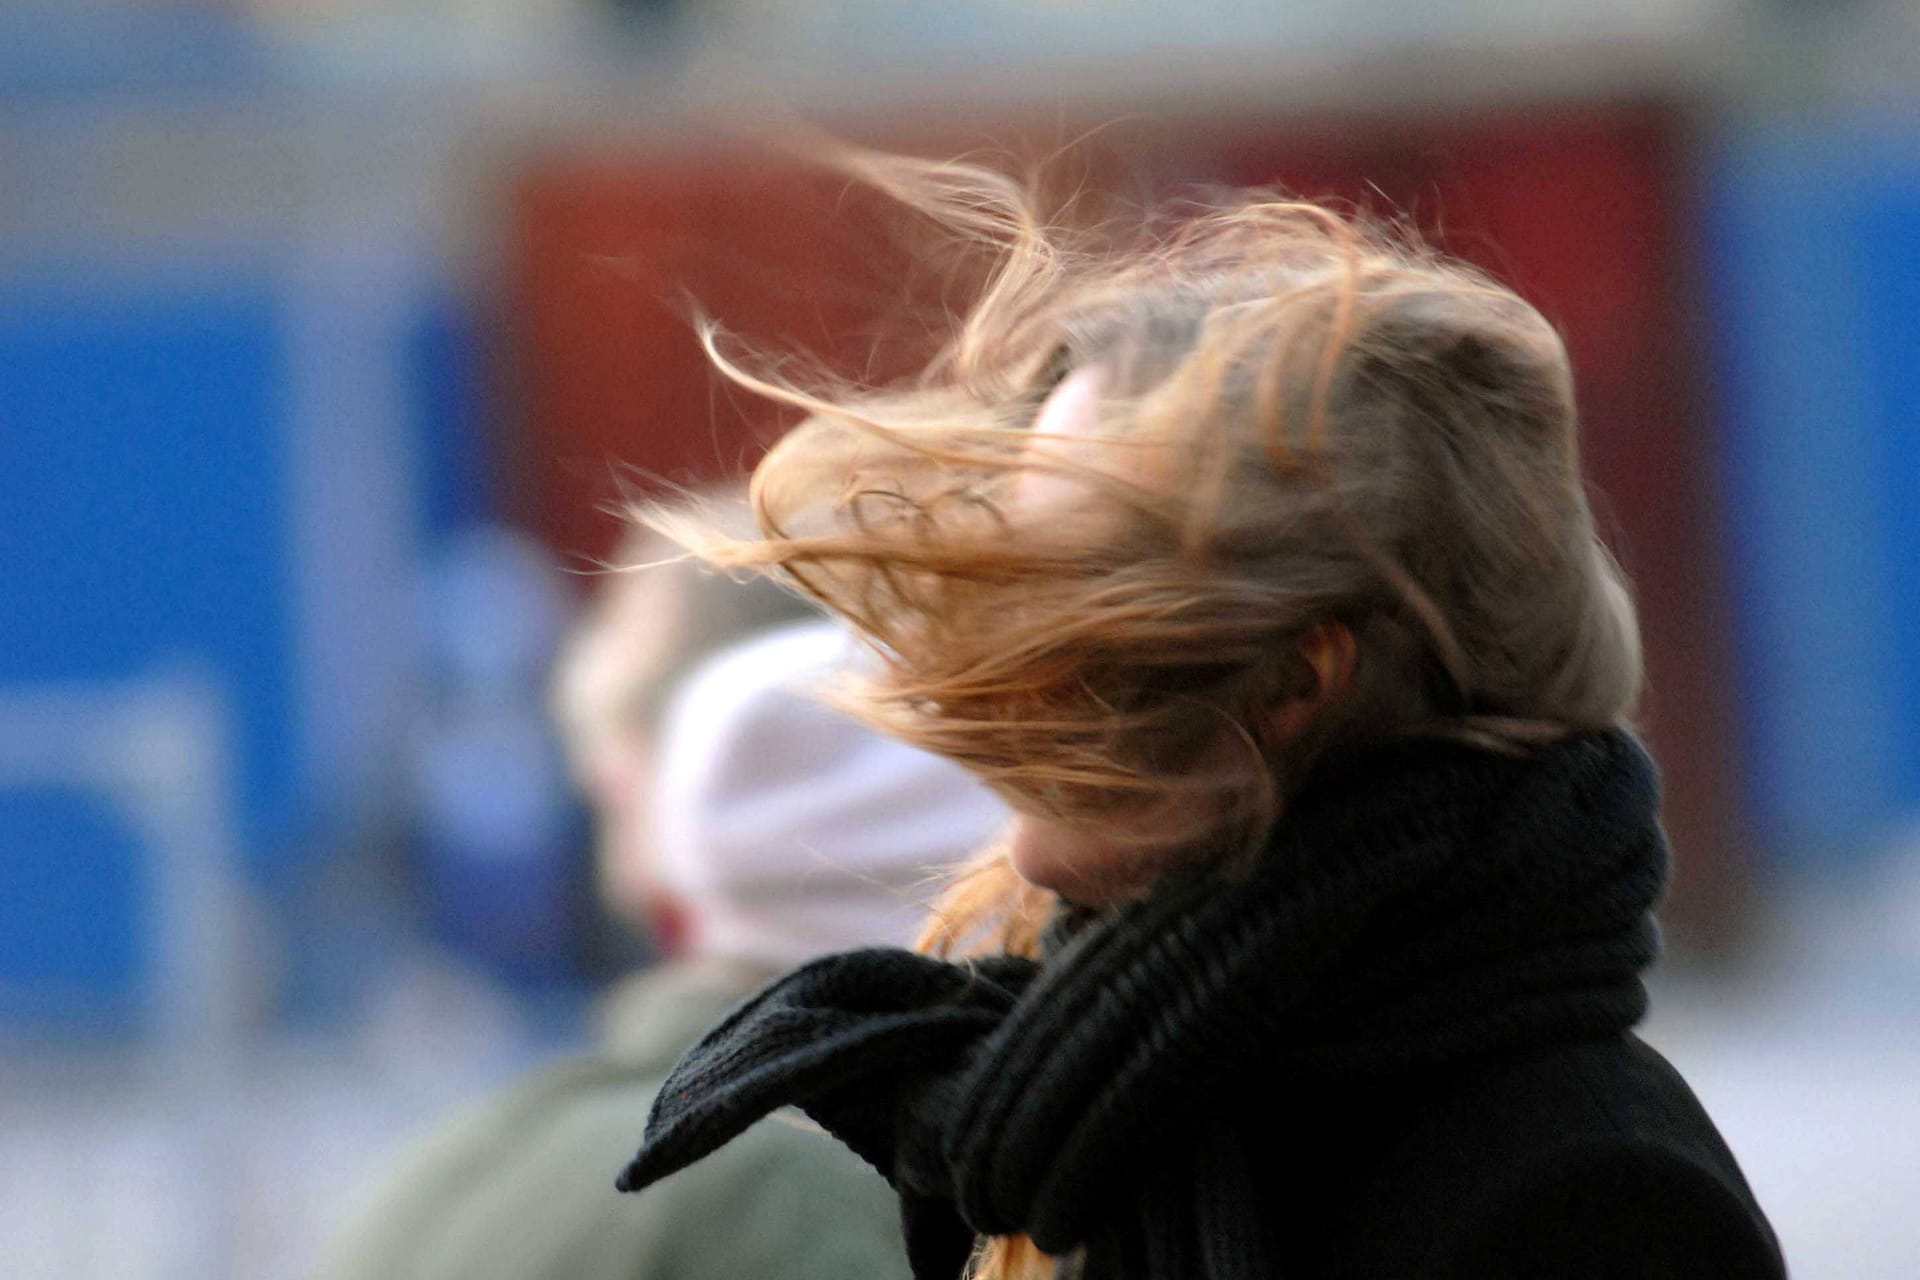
x: 1421, y: 906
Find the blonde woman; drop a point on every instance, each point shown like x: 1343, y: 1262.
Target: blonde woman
x: 1248, y: 558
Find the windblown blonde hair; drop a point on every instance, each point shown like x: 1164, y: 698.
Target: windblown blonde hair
x: 1304, y: 421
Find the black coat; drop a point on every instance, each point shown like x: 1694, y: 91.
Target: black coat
x: 1395, y: 1046
x: 1581, y: 1161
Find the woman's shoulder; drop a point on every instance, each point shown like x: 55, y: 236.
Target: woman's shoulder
x: 1610, y: 1086
x: 1590, y: 1158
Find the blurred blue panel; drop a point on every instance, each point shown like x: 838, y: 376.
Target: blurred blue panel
x: 75, y: 936
x: 1813, y: 243
x: 1887, y: 245
x: 141, y: 488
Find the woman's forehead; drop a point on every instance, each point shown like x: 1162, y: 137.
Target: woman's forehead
x: 1072, y: 407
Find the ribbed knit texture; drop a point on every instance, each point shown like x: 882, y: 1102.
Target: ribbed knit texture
x: 1422, y: 906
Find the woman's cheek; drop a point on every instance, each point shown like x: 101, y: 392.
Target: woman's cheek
x: 1079, y: 867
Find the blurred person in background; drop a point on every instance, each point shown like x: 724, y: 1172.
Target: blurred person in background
x: 1252, y: 563
x: 763, y: 829
x: 653, y: 622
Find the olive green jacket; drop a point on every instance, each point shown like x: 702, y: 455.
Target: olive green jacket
x: 521, y: 1188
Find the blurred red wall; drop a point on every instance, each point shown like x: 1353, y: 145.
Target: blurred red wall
x: 611, y: 257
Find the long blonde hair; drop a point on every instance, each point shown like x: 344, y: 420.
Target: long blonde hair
x: 1304, y: 421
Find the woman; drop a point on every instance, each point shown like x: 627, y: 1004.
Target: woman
x: 1248, y: 558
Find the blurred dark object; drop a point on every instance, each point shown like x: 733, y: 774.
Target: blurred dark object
x: 646, y: 10
x: 501, y: 839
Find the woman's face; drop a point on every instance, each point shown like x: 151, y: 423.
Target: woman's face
x: 1078, y: 865
x: 1091, y: 870
x: 1083, y: 866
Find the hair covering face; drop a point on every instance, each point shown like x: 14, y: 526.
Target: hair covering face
x: 786, y: 829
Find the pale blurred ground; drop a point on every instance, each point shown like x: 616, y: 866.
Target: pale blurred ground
x: 118, y: 1168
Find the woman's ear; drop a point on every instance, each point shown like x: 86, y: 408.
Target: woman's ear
x: 1330, y: 654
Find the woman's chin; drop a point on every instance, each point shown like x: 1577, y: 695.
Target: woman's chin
x: 1078, y: 867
